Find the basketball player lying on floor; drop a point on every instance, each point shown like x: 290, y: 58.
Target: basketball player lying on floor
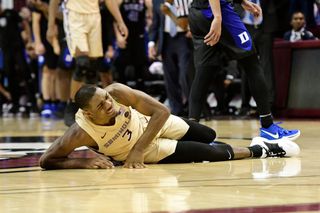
x: 130, y: 126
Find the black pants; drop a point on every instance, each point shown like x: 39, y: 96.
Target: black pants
x: 18, y: 73
x: 133, y: 55
x: 264, y: 42
x: 194, y: 146
x: 207, y: 59
x: 176, y: 55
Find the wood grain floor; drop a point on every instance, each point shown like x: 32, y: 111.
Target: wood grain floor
x: 252, y: 185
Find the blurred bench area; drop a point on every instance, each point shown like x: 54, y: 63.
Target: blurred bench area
x: 297, y: 78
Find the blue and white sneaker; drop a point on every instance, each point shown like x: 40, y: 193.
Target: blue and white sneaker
x: 276, y: 148
x: 46, y: 111
x: 275, y: 132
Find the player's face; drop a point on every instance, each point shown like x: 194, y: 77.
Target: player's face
x: 297, y: 21
x: 102, y: 106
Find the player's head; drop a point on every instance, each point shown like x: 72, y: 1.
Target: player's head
x: 96, y: 103
x: 84, y: 95
x: 297, y: 21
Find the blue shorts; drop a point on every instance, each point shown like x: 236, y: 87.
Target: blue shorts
x: 235, y: 39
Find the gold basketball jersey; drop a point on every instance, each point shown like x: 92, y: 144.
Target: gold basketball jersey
x: 83, y: 6
x: 117, y: 140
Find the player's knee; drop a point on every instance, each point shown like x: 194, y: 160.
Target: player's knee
x: 82, y: 67
x: 223, y: 151
x: 92, y: 74
x: 212, y: 134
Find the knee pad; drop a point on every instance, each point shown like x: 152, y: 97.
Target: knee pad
x: 82, y: 68
x: 223, y: 151
x: 91, y: 76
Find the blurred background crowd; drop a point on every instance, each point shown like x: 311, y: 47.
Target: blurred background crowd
x: 157, y: 57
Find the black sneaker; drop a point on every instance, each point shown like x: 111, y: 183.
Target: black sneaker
x: 34, y: 111
x: 69, y: 113
x: 276, y: 148
x: 60, y: 110
x: 13, y: 110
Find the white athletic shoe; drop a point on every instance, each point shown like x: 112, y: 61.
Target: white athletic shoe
x: 276, y: 148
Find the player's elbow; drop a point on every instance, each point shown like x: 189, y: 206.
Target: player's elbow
x: 44, y: 162
x: 165, y: 112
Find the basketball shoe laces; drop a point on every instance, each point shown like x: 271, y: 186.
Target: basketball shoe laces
x: 281, y: 130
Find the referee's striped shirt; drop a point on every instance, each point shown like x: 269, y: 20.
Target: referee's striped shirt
x: 182, y: 7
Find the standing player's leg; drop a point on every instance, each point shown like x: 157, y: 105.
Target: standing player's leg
x: 206, y: 62
x: 237, y: 42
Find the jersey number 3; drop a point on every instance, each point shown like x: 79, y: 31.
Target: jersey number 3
x: 127, y: 132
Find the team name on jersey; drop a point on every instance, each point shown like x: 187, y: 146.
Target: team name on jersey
x: 123, y: 131
x: 134, y: 6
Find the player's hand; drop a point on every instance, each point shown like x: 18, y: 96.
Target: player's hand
x: 135, y: 160
x: 227, y: 83
x: 7, y: 95
x: 30, y: 50
x: 52, y: 33
x: 121, y: 42
x: 165, y: 9
x: 36, y: 3
x: 39, y: 48
x: 188, y: 34
x: 214, y: 34
x: 123, y: 30
x: 152, y: 53
x: 252, y: 8
x: 109, y: 53
x: 100, y: 162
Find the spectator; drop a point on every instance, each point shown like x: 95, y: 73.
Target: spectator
x: 14, y: 63
x: 306, y: 7
x: 298, y: 31
x: 169, y: 30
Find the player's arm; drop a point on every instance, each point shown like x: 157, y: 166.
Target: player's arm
x: 146, y: 105
x: 251, y: 7
x: 56, y: 157
x: 52, y: 15
x: 121, y: 41
x: 214, y: 33
x: 149, y: 8
x: 36, y: 28
x: 113, y: 7
x: 179, y: 21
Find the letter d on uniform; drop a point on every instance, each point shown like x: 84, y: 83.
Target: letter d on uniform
x: 244, y: 37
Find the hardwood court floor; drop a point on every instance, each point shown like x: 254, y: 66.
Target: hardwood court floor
x: 253, y: 185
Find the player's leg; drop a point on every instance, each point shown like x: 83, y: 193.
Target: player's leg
x: 66, y: 67
x: 206, y: 61
x: 198, y: 132
x: 177, y: 128
x: 191, y: 151
x: 49, y: 72
x: 237, y: 43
